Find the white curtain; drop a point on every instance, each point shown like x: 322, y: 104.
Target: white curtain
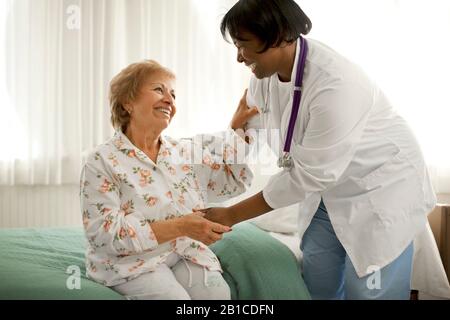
x: 59, y: 56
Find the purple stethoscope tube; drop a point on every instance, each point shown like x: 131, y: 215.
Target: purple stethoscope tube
x: 285, y: 161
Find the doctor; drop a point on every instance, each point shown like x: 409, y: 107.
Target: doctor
x: 348, y: 159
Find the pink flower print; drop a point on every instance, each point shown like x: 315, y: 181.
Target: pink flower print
x: 118, y: 143
x: 212, y: 185
x: 127, y: 207
x: 169, y: 194
x: 106, y: 186
x: 215, y: 166
x: 207, y: 160
x: 107, y: 225
x: 131, y: 153
x: 165, y: 153
x: 92, y: 267
x: 150, y: 201
x: 186, y: 168
x: 172, y: 171
x: 145, y: 173
x: 141, y: 262
x: 228, y: 171
x: 105, y: 211
x: 113, y: 159
x: 145, y: 177
x: 85, y: 218
x: 122, y: 233
x: 242, y: 173
x: 131, y: 232
x: 181, y: 200
x: 229, y: 152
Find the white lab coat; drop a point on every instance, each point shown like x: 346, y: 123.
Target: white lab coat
x: 352, y: 149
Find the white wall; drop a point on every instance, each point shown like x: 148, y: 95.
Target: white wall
x: 39, y: 206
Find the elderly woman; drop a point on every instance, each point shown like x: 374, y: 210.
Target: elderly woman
x: 140, y: 192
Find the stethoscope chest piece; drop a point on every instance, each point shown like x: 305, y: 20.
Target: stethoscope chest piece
x: 285, y: 162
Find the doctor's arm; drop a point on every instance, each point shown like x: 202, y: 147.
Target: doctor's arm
x: 244, y: 210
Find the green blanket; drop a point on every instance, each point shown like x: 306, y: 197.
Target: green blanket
x: 39, y: 263
x: 34, y: 262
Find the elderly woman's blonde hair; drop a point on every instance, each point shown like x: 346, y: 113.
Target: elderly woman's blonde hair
x: 125, y: 87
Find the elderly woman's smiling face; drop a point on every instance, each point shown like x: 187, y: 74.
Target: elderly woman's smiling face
x: 154, y: 107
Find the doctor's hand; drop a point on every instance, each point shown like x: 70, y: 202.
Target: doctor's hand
x: 243, y: 114
x: 223, y: 216
x: 195, y: 226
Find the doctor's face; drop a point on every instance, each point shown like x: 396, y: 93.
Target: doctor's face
x: 155, y: 106
x: 262, y: 65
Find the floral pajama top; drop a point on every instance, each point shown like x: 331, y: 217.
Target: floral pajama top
x: 122, y: 192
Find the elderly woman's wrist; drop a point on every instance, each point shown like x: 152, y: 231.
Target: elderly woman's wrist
x: 179, y: 228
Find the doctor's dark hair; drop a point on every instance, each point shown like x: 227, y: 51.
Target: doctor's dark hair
x: 271, y: 21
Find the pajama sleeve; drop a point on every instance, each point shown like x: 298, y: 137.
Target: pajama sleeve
x: 224, y: 168
x: 111, y: 223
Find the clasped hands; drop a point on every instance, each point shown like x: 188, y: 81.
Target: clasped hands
x: 207, y: 225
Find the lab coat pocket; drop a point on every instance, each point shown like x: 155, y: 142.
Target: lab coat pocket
x: 396, y: 170
x: 393, y: 189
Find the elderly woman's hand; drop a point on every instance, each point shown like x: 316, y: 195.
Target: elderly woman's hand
x: 192, y: 225
x: 243, y: 114
x: 195, y: 226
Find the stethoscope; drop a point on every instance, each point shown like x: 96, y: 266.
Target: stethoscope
x: 285, y: 161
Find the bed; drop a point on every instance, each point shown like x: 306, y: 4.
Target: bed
x: 48, y: 263
x: 260, y: 258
